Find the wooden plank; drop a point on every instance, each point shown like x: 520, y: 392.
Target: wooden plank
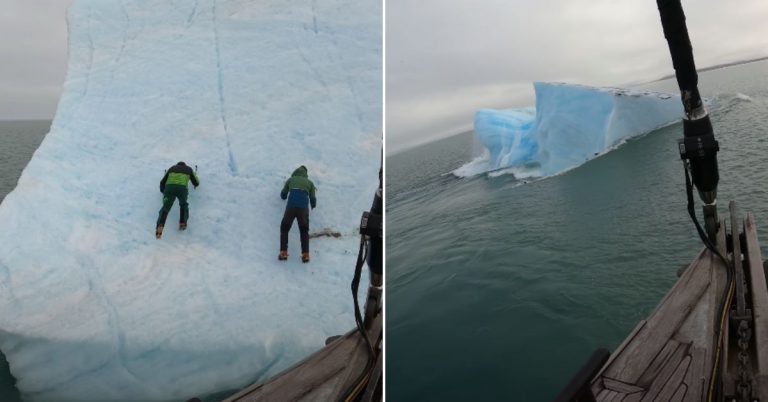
x: 719, y: 283
x: 618, y: 397
x: 759, y: 293
x: 721, y: 246
x: 647, y: 349
x: 696, y: 375
x: 719, y: 279
x: 607, y: 396
x: 619, y: 350
x: 679, y: 395
x: 322, y: 376
x: 675, y: 380
x: 739, y: 296
x: 696, y: 261
x: 664, y: 322
x: 672, y: 364
x: 661, y: 359
x: 322, y: 370
x: 597, y: 385
x: 603, y: 395
x: 633, y: 397
x: 619, y: 386
x: 761, y: 381
x: 376, y: 379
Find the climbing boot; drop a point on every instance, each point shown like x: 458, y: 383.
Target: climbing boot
x: 182, y: 226
x: 158, y: 232
x: 305, y: 257
x: 283, y: 255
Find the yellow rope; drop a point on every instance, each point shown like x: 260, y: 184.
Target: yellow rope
x: 726, y: 308
x: 357, y: 389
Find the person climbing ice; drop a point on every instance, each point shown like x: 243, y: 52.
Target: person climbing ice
x: 174, y: 185
x: 300, y: 192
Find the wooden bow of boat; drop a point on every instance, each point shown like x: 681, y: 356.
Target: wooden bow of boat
x: 670, y: 355
x: 326, y: 374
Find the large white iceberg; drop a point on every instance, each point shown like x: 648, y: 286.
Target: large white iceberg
x: 569, y: 125
x: 92, y: 306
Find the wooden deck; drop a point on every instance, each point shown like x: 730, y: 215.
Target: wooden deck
x: 323, y: 376
x: 669, y: 356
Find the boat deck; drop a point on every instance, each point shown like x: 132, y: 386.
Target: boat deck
x: 669, y: 356
x: 324, y: 375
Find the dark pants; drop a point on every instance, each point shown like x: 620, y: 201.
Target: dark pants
x: 173, y: 191
x: 301, y: 215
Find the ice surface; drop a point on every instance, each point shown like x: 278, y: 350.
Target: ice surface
x: 92, y: 306
x: 570, y: 125
x: 509, y: 135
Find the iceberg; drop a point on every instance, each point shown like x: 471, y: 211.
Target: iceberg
x: 570, y: 125
x: 92, y: 306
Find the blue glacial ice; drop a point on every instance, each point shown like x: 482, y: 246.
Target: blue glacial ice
x: 570, y: 125
x: 92, y: 306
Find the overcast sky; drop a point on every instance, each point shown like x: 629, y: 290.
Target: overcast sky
x: 447, y: 58
x: 33, y: 57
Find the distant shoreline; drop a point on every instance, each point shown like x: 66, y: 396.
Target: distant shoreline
x: 464, y: 130
x: 715, y: 67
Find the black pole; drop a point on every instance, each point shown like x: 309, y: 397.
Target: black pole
x: 676, y: 33
x: 374, y: 233
x: 375, y: 256
x: 698, y: 147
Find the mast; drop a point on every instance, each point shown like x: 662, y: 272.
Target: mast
x: 698, y: 148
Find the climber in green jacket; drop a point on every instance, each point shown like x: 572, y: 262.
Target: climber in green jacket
x: 300, y: 192
x: 174, y: 185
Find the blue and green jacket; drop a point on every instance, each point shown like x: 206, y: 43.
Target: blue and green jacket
x: 179, y: 174
x: 299, y: 190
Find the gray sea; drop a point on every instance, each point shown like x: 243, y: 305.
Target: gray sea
x: 499, y: 290
x: 18, y: 141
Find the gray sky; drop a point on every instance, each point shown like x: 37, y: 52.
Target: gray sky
x: 447, y: 58
x: 33, y: 50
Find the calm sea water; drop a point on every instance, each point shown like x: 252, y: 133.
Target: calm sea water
x: 18, y: 141
x: 499, y: 290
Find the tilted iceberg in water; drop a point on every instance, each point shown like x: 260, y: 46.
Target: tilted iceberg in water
x: 570, y: 125
x: 92, y: 306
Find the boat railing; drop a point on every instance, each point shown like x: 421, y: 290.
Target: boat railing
x: 578, y: 389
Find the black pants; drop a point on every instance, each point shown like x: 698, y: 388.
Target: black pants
x: 301, y: 215
x: 173, y: 191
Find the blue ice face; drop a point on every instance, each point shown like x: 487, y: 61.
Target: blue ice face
x: 509, y: 135
x: 92, y: 306
x: 570, y: 125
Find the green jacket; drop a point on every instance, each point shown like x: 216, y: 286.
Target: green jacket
x: 179, y: 174
x: 299, y: 190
